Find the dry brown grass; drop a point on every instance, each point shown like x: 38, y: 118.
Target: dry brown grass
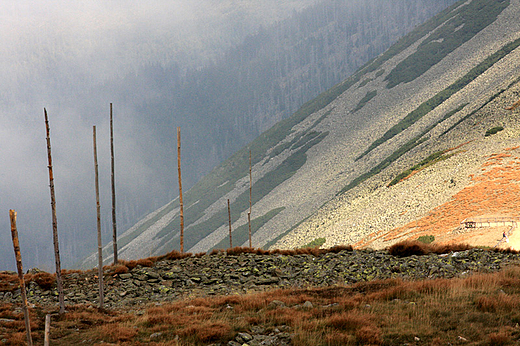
x: 144, y: 262
x: 483, y: 309
x: 8, y: 282
x: 11, y: 282
x: 116, y: 269
x: 116, y: 332
x: 314, y: 251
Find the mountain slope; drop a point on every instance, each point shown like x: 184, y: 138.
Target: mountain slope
x: 432, y: 91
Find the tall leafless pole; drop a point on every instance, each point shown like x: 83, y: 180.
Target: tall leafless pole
x: 100, y: 247
x: 18, y: 255
x: 229, y: 217
x: 250, y: 198
x: 180, y: 186
x: 47, y: 330
x: 59, y: 281
x: 114, y: 223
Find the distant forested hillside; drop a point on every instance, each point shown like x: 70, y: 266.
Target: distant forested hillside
x: 266, y: 78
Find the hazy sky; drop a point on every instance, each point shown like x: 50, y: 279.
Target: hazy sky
x: 53, y: 54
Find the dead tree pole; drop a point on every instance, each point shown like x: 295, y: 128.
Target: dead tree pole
x: 113, y: 183
x: 180, y: 187
x: 98, y: 208
x: 18, y: 255
x: 250, y: 200
x: 59, y: 281
x: 47, y: 330
x: 229, y: 217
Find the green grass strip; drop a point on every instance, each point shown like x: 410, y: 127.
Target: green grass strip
x: 442, y: 96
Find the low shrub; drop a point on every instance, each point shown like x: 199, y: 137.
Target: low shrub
x: 493, y: 130
x: 116, y: 269
x: 408, y: 248
x: 44, y: 280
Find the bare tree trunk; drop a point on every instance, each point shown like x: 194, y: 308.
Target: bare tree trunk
x: 59, y: 281
x: 180, y: 186
x: 229, y: 217
x: 250, y: 200
x: 18, y: 255
x: 100, y: 247
x: 114, y: 223
x: 47, y: 330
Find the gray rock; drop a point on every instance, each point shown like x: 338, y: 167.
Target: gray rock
x: 276, y: 304
x: 152, y: 275
x: 155, y: 336
x: 243, y: 338
x: 307, y: 305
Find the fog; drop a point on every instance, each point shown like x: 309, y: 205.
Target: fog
x: 60, y: 55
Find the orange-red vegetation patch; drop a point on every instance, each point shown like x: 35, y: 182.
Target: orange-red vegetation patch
x: 495, y: 191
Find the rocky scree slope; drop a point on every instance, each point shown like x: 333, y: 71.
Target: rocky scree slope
x: 454, y: 119
x: 434, y: 90
x: 375, y: 209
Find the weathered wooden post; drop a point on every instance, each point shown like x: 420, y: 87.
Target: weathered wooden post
x: 229, y: 217
x: 98, y: 208
x: 59, y: 281
x: 113, y: 183
x: 18, y: 255
x: 180, y: 186
x: 250, y: 200
x: 47, y: 330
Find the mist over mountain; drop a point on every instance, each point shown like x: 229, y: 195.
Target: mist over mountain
x: 222, y: 71
x: 371, y: 159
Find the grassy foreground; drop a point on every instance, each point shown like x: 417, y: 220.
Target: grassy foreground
x: 479, y: 309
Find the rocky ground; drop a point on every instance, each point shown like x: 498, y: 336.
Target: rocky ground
x: 224, y: 274
x: 134, y: 290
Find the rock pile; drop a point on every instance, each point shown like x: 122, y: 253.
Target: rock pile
x: 224, y: 274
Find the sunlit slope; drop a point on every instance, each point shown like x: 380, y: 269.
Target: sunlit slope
x: 343, y: 148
